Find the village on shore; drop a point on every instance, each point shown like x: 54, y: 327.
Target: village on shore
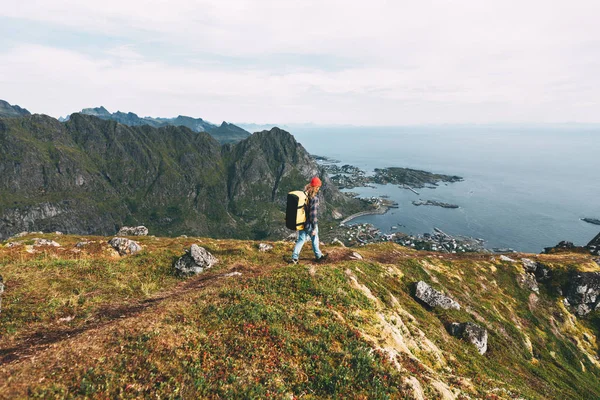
x: 348, y: 234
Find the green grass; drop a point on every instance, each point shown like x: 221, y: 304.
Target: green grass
x: 281, y: 331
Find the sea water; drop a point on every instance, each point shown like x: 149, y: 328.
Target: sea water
x: 524, y: 188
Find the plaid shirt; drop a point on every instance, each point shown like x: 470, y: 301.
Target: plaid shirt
x: 313, y: 209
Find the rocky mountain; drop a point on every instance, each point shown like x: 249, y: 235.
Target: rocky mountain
x: 90, y: 175
x: 8, y: 111
x: 380, y: 321
x: 225, y: 133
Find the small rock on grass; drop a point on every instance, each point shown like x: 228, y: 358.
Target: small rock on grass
x: 264, y: 247
x: 472, y: 333
x: 194, y: 261
x: 125, y: 246
x: 433, y: 298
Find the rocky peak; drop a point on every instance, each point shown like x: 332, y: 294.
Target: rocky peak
x: 96, y: 111
x: 12, y: 111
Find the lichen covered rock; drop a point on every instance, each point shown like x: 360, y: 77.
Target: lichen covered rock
x: 264, y: 247
x: 133, y: 231
x: 124, y: 246
x: 194, y: 261
x: 583, y: 292
x: 472, y: 333
x: 433, y: 298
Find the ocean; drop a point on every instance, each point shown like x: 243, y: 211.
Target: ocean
x: 525, y: 188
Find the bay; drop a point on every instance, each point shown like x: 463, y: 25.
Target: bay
x: 525, y: 187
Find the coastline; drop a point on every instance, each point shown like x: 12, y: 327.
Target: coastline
x: 382, y: 209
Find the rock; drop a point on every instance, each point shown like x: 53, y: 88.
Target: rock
x: 433, y: 298
x: 335, y: 214
x: 583, y: 292
x: 508, y: 259
x: 13, y: 244
x: 595, y: 241
x: 231, y: 274
x: 133, y: 231
x: 194, y: 261
x: 543, y: 273
x: 264, y: 247
x: 58, y: 233
x: 528, y: 280
x: 82, y: 244
x: 44, y: 242
x: 338, y: 242
x: 529, y: 264
x: 472, y: 333
x: 124, y: 246
x: 355, y: 256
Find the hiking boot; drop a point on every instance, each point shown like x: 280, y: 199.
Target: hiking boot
x: 290, y: 260
x: 322, y: 258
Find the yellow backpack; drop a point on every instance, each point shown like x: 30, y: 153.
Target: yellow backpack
x: 295, y: 213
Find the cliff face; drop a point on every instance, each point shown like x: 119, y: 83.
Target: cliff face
x: 90, y: 175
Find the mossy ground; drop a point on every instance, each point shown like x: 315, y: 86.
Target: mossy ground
x: 93, y: 324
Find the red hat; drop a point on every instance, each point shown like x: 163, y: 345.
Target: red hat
x: 315, y: 182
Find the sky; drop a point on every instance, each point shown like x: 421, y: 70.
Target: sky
x: 344, y: 62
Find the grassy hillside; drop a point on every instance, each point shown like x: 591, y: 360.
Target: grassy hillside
x: 86, y: 322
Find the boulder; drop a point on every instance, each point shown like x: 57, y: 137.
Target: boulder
x: 37, y: 242
x: 264, y: 247
x: 433, y: 298
x: 472, y: 333
x: 543, y: 272
x: 133, y: 231
x: 528, y: 280
x: 124, y: 246
x: 356, y: 256
x: 507, y: 259
x: 529, y: 264
x: 194, y: 261
x: 583, y: 292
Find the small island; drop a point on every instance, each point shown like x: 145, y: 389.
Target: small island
x: 349, y: 176
x: 594, y: 221
x: 433, y: 203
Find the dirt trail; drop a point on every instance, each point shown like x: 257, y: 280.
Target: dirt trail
x: 36, y: 342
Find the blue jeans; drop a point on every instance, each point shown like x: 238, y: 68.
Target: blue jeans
x: 303, y: 236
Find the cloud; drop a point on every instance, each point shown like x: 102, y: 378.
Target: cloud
x: 322, y: 61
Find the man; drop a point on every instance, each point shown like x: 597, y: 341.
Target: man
x: 310, y: 229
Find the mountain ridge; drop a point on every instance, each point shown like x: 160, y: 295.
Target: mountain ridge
x: 90, y: 175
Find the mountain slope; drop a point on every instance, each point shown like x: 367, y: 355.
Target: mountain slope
x: 80, y: 321
x: 9, y: 111
x: 89, y: 175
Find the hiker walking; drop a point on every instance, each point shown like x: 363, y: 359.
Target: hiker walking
x: 310, y: 229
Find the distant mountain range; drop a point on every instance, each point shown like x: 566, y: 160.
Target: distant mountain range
x: 224, y: 133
